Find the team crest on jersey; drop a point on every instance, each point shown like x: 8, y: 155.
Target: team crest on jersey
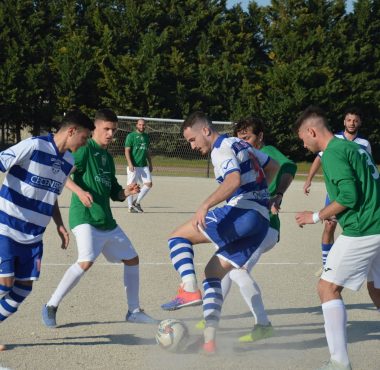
x: 56, y: 166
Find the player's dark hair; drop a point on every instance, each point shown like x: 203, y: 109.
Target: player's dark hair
x: 255, y: 122
x: 353, y: 110
x: 106, y: 115
x: 77, y: 118
x: 312, y: 111
x: 194, y: 118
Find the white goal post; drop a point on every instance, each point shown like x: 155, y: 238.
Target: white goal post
x: 171, y: 154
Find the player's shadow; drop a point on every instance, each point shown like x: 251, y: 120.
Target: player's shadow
x: 88, y: 323
x: 92, y: 340
x: 357, y: 331
x: 315, y: 310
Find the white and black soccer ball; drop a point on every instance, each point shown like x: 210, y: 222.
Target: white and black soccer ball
x: 172, y: 335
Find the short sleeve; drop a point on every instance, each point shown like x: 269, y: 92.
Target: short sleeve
x: 80, y: 158
x: 225, y: 161
x: 129, y: 141
x: 16, y: 154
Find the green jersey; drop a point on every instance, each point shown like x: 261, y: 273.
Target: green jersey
x: 139, y: 144
x: 95, y: 173
x: 353, y: 180
x: 286, y: 166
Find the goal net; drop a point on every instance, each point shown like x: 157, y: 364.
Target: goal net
x: 171, y: 154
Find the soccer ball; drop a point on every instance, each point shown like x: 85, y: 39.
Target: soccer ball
x: 172, y: 335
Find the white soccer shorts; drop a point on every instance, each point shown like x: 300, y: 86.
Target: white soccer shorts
x: 114, y: 244
x: 139, y: 175
x: 352, y: 260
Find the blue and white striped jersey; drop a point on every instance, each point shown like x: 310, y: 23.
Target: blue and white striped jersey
x: 231, y: 154
x: 364, y: 143
x: 37, y: 173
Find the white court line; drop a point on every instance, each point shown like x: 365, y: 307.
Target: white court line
x: 170, y: 264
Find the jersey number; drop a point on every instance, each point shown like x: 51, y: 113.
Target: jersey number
x: 375, y: 172
x: 257, y: 168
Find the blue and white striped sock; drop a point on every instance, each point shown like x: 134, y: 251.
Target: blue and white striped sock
x: 325, y: 252
x: 212, y: 301
x: 10, y: 302
x: 182, y: 255
x: 4, y: 290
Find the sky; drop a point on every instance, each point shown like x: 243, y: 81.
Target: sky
x: 244, y: 3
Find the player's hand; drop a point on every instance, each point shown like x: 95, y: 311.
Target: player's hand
x: 306, y: 187
x: 275, y: 204
x: 64, y: 235
x: 199, y: 219
x: 131, y: 168
x: 132, y: 189
x: 304, y: 218
x: 86, y: 198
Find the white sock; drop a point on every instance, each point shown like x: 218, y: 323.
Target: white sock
x: 130, y: 201
x: 68, y: 282
x: 226, y: 285
x: 335, y: 316
x: 251, y: 294
x: 189, y: 283
x: 132, y: 285
x: 144, y: 190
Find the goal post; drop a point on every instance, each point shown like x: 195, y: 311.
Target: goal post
x: 171, y: 154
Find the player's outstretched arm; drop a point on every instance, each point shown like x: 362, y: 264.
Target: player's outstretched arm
x: 84, y: 196
x: 131, y: 189
x: 61, y: 229
x: 312, y: 171
x: 224, y: 191
x: 271, y: 170
x: 284, y: 183
x: 309, y: 217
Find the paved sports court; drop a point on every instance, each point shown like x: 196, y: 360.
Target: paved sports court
x: 94, y: 335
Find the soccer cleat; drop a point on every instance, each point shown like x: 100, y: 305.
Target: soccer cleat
x: 258, y: 332
x: 137, y: 207
x: 209, y: 348
x: 132, y: 210
x: 200, y: 325
x: 140, y: 317
x: 183, y: 299
x: 333, y: 365
x: 49, y: 316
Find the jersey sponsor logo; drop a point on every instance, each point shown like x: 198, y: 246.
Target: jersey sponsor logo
x: 47, y: 184
x: 103, y: 178
x: 104, y: 161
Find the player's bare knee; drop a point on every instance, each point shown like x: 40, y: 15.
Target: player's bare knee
x: 85, y: 265
x: 27, y: 283
x: 7, y: 281
x: 132, y: 262
x: 328, y: 291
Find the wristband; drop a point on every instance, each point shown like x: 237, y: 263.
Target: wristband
x: 316, y: 218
